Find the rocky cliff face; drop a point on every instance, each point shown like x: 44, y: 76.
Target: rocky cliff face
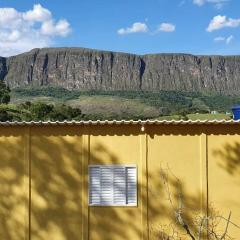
x: 3, y: 68
x: 78, y: 68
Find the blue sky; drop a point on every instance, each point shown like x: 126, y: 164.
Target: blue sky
x: 136, y: 26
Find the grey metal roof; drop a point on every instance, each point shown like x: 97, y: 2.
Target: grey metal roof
x: 122, y: 122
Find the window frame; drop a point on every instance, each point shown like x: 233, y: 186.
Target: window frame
x: 113, y: 166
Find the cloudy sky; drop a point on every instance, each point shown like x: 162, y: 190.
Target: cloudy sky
x: 136, y: 26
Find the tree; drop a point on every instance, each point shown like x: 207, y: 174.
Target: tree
x: 63, y: 112
x: 5, y: 116
x: 199, y: 106
x: 164, y: 111
x: 4, y: 93
x: 201, y: 226
x: 40, y: 111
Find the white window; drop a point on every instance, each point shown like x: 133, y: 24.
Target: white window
x: 112, y: 185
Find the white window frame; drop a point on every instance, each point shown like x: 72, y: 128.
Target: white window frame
x: 114, y: 205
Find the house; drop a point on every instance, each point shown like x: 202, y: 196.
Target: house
x: 214, y: 112
x: 105, y: 180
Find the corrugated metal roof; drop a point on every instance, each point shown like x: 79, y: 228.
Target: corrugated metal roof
x: 122, y: 122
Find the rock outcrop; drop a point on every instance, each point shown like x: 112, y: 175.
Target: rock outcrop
x: 84, y: 69
x: 3, y: 68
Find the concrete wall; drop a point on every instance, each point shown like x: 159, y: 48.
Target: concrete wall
x: 44, y: 179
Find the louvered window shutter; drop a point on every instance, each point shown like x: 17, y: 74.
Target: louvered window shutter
x: 112, y: 185
x: 95, y: 189
x: 131, y: 185
x: 106, y: 183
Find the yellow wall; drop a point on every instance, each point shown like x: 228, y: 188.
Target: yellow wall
x: 14, y: 183
x: 224, y: 175
x: 175, y: 151
x: 44, y: 179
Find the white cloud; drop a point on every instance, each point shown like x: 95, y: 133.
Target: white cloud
x: 23, y: 44
x: 10, y: 18
x: 37, y: 14
x: 226, y: 40
x: 229, y: 39
x: 167, y: 27
x: 199, y: 2
x: 14, y: 36
x: 137, y: 27
x: 219, y: 39
x: 217, y: 3
x: 219, y: 22
x: 61, y: 28
x: 22, y: 31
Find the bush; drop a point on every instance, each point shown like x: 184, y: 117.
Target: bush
x: 4, y: 93
x: 63, y: 112
x: 198, y: 106
x: 5, y: 116
x: 42, y: 112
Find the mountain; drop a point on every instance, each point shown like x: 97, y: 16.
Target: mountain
x: 86, y: 69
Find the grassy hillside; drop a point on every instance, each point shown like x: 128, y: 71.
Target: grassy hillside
x: 132, y: 104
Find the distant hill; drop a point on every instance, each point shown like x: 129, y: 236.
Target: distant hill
x: 86, y: 69
x: 131, y: 104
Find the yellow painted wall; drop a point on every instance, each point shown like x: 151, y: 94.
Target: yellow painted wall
x: 14, y: 183
x: 201, y: 161
x: 56, y: 183
x: 175, y: 151
x: 111, y: 145
x: 224, y: 175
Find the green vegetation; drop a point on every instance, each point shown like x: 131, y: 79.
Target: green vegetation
x: 48, y: 103
x: 38, y: 111
x: 219, y: 116
x: 34, y: 111
x: 130, y: 104
x: 4, y: 93
x: 196, y: 116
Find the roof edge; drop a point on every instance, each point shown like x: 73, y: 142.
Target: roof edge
x: 122, y: 122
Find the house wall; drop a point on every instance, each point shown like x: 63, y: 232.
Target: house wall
x: 178, y: 152
x: 224, y: 175
x: 14, y: 183
x: 44, y: 179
